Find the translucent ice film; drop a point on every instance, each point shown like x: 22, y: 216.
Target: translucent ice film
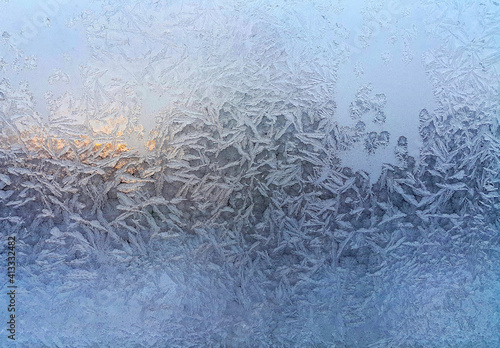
x: 258, y: 173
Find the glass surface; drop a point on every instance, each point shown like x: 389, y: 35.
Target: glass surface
x: 264, y: 173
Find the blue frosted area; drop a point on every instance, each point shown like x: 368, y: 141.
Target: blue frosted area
x: 250, y: 173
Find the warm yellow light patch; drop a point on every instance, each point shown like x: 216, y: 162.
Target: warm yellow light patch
x: 110, y: 125
x: 151, y: 145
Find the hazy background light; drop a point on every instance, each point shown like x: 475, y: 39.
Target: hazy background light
x: 60, y: 45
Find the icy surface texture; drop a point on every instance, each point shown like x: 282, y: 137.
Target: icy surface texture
x: 179, y: 180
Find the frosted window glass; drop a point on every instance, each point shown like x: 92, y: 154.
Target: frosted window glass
x: 250, y: 173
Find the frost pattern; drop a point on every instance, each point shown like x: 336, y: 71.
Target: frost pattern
x: 236, y: 224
